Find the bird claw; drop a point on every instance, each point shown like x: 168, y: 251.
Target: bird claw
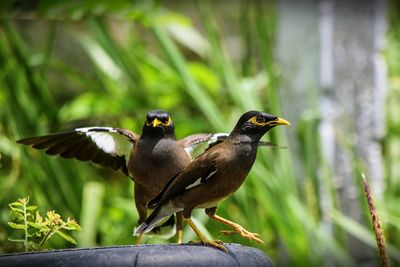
x: 218, y: 244
x: 219, y: 241
x: 244, y: 233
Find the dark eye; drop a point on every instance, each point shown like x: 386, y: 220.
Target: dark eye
x: 150, y: 118
x: 260, y: 119
x: 164, y: 120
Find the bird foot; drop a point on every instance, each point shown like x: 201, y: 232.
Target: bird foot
x: 218, y: 244
x: 244, y: 233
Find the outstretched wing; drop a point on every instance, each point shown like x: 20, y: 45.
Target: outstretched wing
x: 197, y: 144
x: 106, y: 146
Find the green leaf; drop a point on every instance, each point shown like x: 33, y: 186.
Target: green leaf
x: 29, y: 216
x: 16, y: 209
x: 17, y: 204
x: 44, y: 229
x: 31, y: 207
x: 16, y: 225
x: 34, y: 225
x: 16, y: 240
x: 32, y: 235
x: 74, y: 227
x: 24, y: 201
x: 38, y: 233
x: 16, y: 216
x: 66, y: 237
x: 34, y: 246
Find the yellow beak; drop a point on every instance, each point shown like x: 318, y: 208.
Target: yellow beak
x: 156, y: 122
x: 281, y: 121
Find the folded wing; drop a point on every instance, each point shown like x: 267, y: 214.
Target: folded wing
x: 192, y: 176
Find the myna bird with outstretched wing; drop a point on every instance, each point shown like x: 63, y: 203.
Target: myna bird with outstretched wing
x: 149, y: 159
x: 213, y: 176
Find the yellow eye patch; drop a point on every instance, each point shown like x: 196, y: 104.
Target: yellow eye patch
x: 278, y: 121
x: 156, y: 122
x: 254, y: 121
x: 168, y: 123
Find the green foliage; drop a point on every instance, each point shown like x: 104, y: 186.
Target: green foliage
x: 36, y: 229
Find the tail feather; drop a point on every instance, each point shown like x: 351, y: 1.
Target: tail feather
x: 165, y: 225
x: 152, y: 220
x: 158, y: 214
x: 166, y: 228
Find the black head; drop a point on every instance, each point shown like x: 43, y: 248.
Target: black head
x: 158, y: 122
x: 255, y: 124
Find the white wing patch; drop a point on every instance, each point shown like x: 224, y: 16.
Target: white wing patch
x: 197, y: 148
x: 87, y: 129
x: 201, y: 180
x: 109, y: 140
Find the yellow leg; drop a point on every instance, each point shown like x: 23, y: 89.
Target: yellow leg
x: 180, y: 236
x: 238, y: 229
x: 179, y: 226
x: 139, y: 238
x: 203, y: 239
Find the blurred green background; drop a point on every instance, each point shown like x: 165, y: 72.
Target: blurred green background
x: 65, y: 64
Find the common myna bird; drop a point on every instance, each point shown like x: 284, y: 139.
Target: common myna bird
x: 212, y: 177
x: 150, y: 159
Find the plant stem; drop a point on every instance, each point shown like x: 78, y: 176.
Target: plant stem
x: 26, y: 228
x: 376, y: 225
x: 26, y: 225
x: 47, y: 235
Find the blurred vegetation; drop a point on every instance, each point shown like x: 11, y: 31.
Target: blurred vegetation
x: 36, y: 230
x: 66, y: 64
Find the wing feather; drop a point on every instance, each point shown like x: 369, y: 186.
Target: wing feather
x: 107, y: 146
x: 197, y: 144
x: 195, y: 174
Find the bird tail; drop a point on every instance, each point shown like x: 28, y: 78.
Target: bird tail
x: 158, y: 214
x: 166, y: 228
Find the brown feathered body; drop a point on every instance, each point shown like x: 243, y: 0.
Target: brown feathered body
x: 152, y: 163
x: 230, y: 159
x: 214, y: 175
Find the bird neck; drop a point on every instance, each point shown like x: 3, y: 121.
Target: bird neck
x: 158, y: 134
x: 244, y: 138
x: 245, y: 148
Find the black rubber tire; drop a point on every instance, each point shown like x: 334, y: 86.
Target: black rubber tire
x: 170, y: 255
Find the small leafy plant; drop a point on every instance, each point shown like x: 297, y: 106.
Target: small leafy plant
x: 38, y: 230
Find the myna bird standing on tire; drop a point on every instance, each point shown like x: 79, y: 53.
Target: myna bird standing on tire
x: 150, y: 159
x: 213, y: 176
